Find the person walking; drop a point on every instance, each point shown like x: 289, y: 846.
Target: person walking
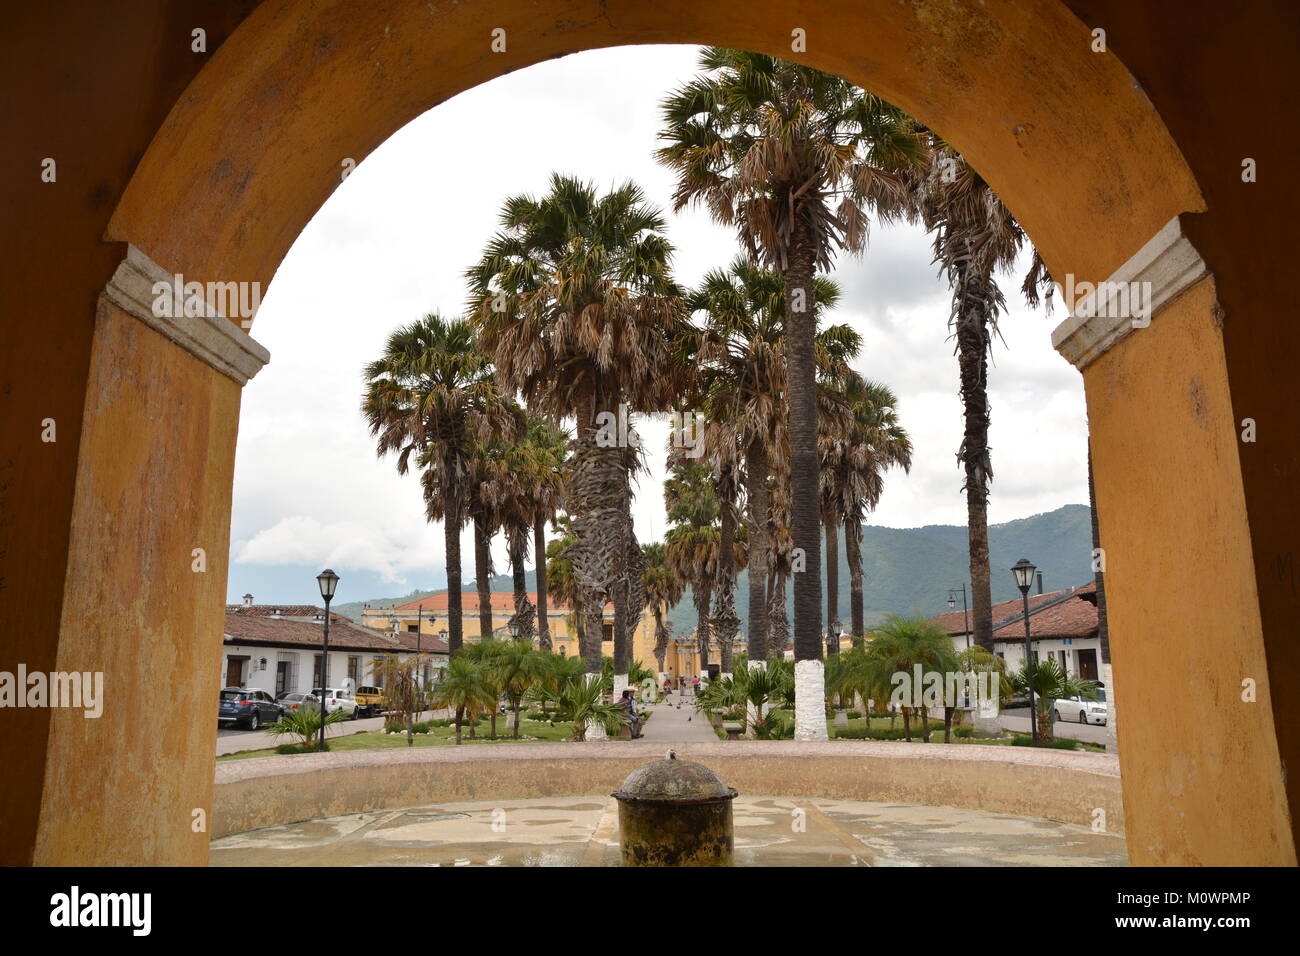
x: 695, y: 685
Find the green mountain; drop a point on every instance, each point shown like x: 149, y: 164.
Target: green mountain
x: 907, y: 570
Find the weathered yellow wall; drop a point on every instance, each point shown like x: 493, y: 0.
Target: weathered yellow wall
x: 1203, y: 782
x: 153, y: 483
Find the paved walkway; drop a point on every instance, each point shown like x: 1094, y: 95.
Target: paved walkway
x: 671, y: 724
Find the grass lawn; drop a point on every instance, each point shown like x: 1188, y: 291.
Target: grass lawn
x: 530, y: 731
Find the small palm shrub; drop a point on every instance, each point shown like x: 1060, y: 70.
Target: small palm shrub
x: 303, y: 723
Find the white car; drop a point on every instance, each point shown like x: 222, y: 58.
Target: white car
x: 338, y: 698
x: 1082, y: 711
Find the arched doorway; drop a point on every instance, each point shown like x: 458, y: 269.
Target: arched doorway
x: 261, y: 134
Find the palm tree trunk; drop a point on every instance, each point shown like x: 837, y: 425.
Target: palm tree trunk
x: 801, y: 381
x: 483, y: 574
x: 725, y: 621
x: 972, y: 360
x: 832, y: 587
x: 701, y: 593
x: 778, y: 620
x: 661, y: 637
x: 907, y: 723
x: 756, y: 469
x: 460, y: 715
x: 515, y: 704
x: 539, y: 553
x: 451, y: 533
x: 523, y: 617
x: 853, y: 552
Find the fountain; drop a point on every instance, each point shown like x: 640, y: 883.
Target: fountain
x: 675, y: 813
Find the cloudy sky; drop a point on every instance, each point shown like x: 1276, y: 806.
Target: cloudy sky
x: 392, y: 243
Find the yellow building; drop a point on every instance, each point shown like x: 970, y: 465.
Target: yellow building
x: 430, y: 616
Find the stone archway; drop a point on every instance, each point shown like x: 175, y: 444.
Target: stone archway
x: 258, y: 138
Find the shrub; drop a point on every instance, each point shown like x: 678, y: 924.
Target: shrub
x: 854, y: 714
x: 1060, y: 743
x: 287, y: 749
x: 963, y: 731
x: 422, y: 727
x: 394, y: 728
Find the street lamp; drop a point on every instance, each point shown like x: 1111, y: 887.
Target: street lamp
x: 328, y: 581
x: 1024, y: 574
x: 952, y: 602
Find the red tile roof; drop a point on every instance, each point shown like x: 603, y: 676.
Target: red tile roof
x: 1075, y: 617
x: 952, y: 620
x: 1068, y: 613
x: 285, y: 610
x: 241, y: 628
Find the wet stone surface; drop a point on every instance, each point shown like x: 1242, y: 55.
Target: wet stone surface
x: 583, y: 831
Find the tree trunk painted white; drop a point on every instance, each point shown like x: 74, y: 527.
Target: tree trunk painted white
x: 596, y: 729
x: 1112, y: 738
x: 809, y: 700
x: 620, y: 685
x: 751, y: 712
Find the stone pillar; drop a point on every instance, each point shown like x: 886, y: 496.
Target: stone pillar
x: 1203, y: 779
x: 143, y: 599
x: 1112, y: 720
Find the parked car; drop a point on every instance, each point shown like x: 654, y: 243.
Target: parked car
x: 247, y: 708
x: 338, y: 698
x: 1084, y: 711
x: 370, y: 701
x: 289, y: 702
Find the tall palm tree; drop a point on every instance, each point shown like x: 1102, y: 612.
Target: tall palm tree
x: 663, y: 589
x: 432, y: 394
x: 486, y: 522
x: 975, y: 235
x: 575, y: 302
x: 854, y: 458
x: 741, y: 357
x: 791, y: 157
x: 693, y: 539
x: 550, y: 452
x: 561, y: 580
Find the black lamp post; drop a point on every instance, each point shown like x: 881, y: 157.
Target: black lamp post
x: 952, y: 602
x: 328, y: 581
x: 1024, y: 574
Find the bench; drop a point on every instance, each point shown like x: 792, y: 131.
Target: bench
x: 732, y: 729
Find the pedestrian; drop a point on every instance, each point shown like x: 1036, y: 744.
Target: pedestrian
x: 695, y: 685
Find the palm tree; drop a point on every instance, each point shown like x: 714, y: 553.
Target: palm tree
x: 575, y: 302
x: 974, y: 236
x: 900, y: 644
x: 561, y: 580
x: 550, y: 451
x: 663, y: 589
x: 517, y: 668
x: 1051, y: 683
x: 741, y: 355
x: 433, y: 394
x: 790, y: 156
x: 693, y: 541
x: 463, y: 690
x: 486, y: 522
x: 854, y: 459
x: 403, y: 696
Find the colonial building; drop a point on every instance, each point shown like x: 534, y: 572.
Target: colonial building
x: 277, y: 648
x: 429, y: 617
x: 1062, y: 624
